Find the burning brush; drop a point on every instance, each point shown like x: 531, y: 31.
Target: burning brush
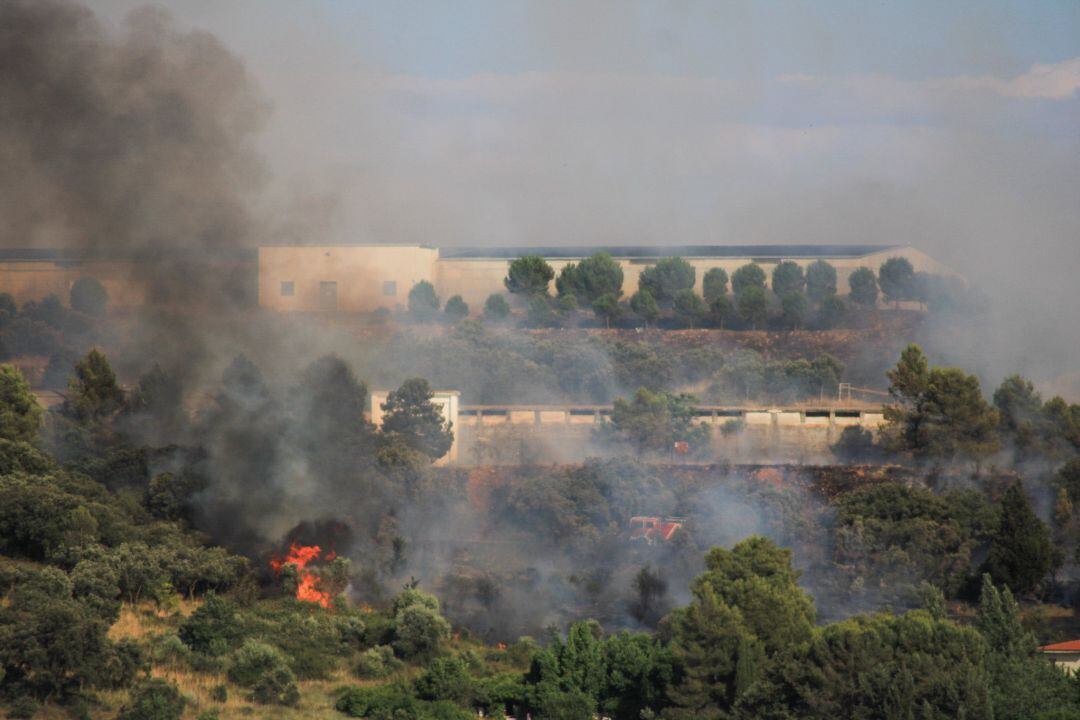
x: 318, y: 576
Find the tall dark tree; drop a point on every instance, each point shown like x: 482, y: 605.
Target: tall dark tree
x: 89, y: 296
x: 93, y: 393
x: 1021, y: 554
x: 896, y: 276
x: 752, y: 305
x: 591, y: 279
x: 423, y: 302
x: 863, y: 287
x: 748, y: 276
x: 820, y: 281
x: 689, y: 307
x: 645, y: 306
x: 788, y: 279
x: 714, y: 284
x: 529, y: 275
x: 666, y: 278
x: 411, y: 418
x: 20, y: 414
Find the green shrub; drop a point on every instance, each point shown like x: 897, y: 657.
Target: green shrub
x: 418, y: 631
x: 276, y: 687
x: 153, y: 699
x: 382, y: 701
x: 23, y: 706
x: 123, y: 662
x: 219, y: 693
x: 445, y: 679
x: 377, y: 663
x: 263, y: 668
x: 212, y: 628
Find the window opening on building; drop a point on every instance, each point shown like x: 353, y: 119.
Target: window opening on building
x: 287, y: 288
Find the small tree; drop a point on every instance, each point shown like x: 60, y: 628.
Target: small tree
x: 752, y: 305
x: 721, y: 309
x: 689, y: 306
x: 607, y: 308
x: 456, y: 309
x: 89, y: 296
x: 93, y: 392
x: 748, y: 276
x: 529, y: 275
x: 653, y: 421
x: 788, y: 279
x: 496, y: 308
x: 20, y: 414
x: 667, y: 277
x: 541, y: 311
x: 645, y: 306
x: 591, y: 279
x: 864, y: 289
x: 897, y: 279
x: 411, y: 417
x: 423, y: 302
x: 820, y: 281
x: 714, y: 284
x: 793, y: 307
x: 831, y: 312
x: 154, y: 699
x: 1021, y: 553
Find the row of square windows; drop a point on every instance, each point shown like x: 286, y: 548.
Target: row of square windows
x: 288, y: 288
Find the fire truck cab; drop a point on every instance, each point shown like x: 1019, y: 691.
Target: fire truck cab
x: 653, y: 529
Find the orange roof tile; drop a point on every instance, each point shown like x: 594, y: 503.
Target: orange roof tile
x: 1069, y: 646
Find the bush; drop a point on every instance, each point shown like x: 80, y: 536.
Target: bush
x: 418, y: 631
x: 154, y: 699
x: 445, y: 679
x: 212, y: 627
x: 23, y: 706
x: 423, y: 302
x: 496, y: 307
x: 377, y: 663
x: 263, y: 668
x: 456, y: 308
x: 220, y: 693
x: 276, y: 687
x: 88, y: 296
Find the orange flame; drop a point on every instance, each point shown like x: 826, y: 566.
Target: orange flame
x: 301, y: 556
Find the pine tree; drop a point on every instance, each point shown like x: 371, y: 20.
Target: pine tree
x: 1020, y: 551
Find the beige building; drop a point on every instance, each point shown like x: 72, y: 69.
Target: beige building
x: 33, y: 274
x: 1066, y: 655
x: 362, y: 278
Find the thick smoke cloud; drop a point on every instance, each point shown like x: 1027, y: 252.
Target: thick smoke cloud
x: 131, y: 144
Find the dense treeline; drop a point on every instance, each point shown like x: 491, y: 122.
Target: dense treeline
x: 795, y: 298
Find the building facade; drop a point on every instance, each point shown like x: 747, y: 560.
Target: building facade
x: 363, y: 278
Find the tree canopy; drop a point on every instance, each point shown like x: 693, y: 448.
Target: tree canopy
x: 529, y: 275
x: 666, y: 278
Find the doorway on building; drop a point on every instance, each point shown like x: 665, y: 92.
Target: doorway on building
x: 328, y: 295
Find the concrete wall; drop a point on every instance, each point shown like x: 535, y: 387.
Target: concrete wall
x: 365, y: 277
x: 36, y: 279
x: 515, y: 435
x: 361, y: 270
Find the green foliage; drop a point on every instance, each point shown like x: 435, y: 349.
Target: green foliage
x: 666, y: 278
x: 213, y: 627
x: 456, y: 308
x: 93, y: 393
x: 832, y: 312
x: 882, y: 666
x: 654, y: 421
x: 607, y: 308
x: 419, y: 629
x: 423, y: 302
x: 793, y: 308
x: 529, y: 275
x: 714, y: 285
x: 89, y: 296
x: 1021, y: 553
x: 20, y: 414
x: 376, y: 663
x: 689, y: 307
x: 820, y: 281
x: 411, y: 419
x: 896, y: 277
x: 788, y: 279
x: 645, y: 306
x: 940, y: 413
x: 263, y: 668
x: 540, y: 311
x: 591, y: 279
x: 856, y: 445
x: 863, y: 287
x: 720, y: 309
x: 752, y: 305
x: 154, y: 699
x: 496, y: 308
x: 748, y: 276
x: 445, y: 678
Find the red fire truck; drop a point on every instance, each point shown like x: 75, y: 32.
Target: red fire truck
x: 654, y: 529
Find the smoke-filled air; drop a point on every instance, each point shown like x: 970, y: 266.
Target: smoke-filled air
x: 548, y: 360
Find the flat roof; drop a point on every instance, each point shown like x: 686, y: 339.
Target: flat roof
x: 654, y: 251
